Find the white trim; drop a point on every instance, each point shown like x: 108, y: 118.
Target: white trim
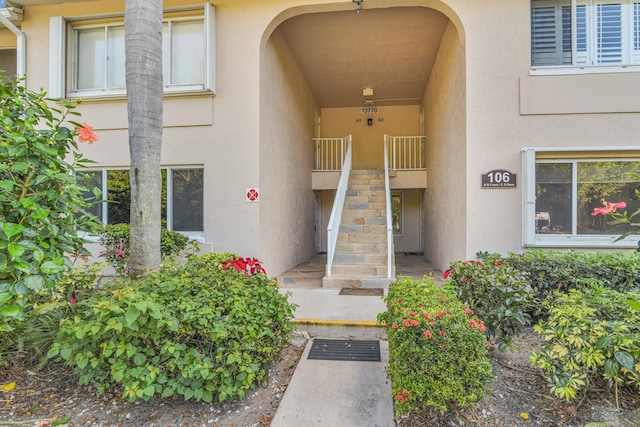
x: 57, y: 56
x: 210, y: 47
x: 528, y: 197
x: 553, y: 70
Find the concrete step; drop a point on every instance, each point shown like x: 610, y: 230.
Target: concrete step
x: 357, y: 282
x: 360, y: 270
x: 362, y: 238
x: 381, y: 259
x: 361, y: 248
x: 362, y: 179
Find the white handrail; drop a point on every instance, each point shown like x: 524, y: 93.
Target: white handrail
x: 336, y: 212
x: 387, y: 188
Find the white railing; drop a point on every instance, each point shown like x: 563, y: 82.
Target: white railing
x: 405, y: 152
x: 387, y: 189
x: 330, y: 153
x: 336, y: 213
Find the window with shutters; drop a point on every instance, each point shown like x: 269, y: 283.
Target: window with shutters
x: 584, y: 33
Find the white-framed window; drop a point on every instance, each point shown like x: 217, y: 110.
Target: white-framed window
x: 585, y: 33
x: 88, y: 60
x: 563, y: 186
x: 182, y: 197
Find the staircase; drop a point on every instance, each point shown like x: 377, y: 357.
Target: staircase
x: 360, y: 259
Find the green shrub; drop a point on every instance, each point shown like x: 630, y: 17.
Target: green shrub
x: 551, y: 271
x: 30, y: 340
x: 42, y: 206
x: 499, y: 294
x: 589, y: 335
x: 115, y: 239
x: 197, y: 330
x: 437, y: 348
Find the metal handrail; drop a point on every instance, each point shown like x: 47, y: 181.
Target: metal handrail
x: 336, y: 212
x: 387, y: 188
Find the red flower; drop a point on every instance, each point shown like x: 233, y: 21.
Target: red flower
x: 482, y: 328
x: 608, y: 208
x: 406, y: 322
x: 428, y: 334
x: 468, y: 311
x: 86, y: 133
x: 399, y: 299
x: 472, y: 323
x: 443, y: 334
x: 442, y: 299
x: 447, y: 274
x: 394, y: 326
x: 402, y: 395
x: 441, y: 346
x: 414, y: 322
x: 412, y: 313
x: 432, y: 323
x: 498, y: 263
x: 426, y: 316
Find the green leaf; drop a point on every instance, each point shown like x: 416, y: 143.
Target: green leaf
x: 6, y: 185
x: 634, y: 304
x: 132, y: 315
x: 65, y: 353
x: 118, y: 376
x: 61, y: 421
x: 35, y: 282
x: 611, y: 368
x: 625, y: 359
x: 11, y: 311
x: 15, y: 250
x: 11, y: 229
x: 139, y: 359
x: 4, y: 297
x: 603, y: 342
x: 51, y: 267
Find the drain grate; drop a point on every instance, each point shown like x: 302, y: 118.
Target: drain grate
x: 351, y: 350
x: 376, y: 292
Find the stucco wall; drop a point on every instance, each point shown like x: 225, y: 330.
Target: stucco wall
x: 445, y: 129
x: 288, y: 111
x: 368, y: 140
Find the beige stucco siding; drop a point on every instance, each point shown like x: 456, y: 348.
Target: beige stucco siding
x: 288, y: 111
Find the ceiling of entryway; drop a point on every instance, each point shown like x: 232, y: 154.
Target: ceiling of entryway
x: 390, y: 50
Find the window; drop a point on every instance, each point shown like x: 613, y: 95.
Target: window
x: 396, y: 213
x: 8, y: 63
x: 561, y: 191
x: 97, y: 58
x: 181, y: 204
x: 585, y: 32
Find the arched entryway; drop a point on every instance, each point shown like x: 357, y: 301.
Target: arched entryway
x: 388, y: 70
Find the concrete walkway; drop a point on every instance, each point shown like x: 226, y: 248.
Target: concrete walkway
x: 339, y: 393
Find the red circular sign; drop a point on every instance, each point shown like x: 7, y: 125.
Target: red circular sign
x: 252, y: 195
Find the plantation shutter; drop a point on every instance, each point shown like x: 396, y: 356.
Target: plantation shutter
x: 609, y: 33
x: 550, y: 33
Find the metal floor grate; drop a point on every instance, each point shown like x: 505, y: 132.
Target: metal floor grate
x: 350, y: 350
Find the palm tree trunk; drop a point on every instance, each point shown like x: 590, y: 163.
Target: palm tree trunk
x: 143, y: 52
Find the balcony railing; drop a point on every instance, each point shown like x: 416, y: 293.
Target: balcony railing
x: 405, y: 152
x: 330, y: 153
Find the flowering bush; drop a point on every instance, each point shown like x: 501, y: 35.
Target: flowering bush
x: 42, y: 206
x: 590, y: 336
x: 248, y: 266
x: 197, y: 331
x: 499, y: 294
x: 437, y: 348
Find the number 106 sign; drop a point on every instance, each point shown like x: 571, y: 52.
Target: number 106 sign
x: 499, y: 178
